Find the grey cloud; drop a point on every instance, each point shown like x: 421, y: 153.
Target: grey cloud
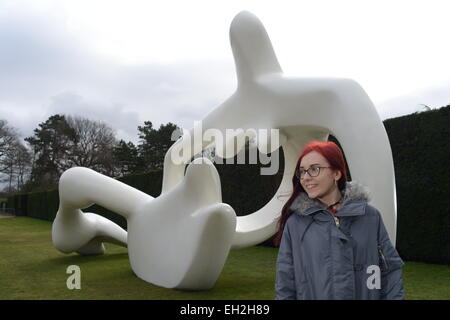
x: 47, y: 70
x: 179, y: 93
x: 114, y: 115
x: 434, y: 97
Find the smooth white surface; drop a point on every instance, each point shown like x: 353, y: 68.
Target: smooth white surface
x: 302, y: 109
x: 178, y: 240
x: 182, y: 238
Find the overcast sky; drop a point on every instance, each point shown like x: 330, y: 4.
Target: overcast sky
x: 125, y: 62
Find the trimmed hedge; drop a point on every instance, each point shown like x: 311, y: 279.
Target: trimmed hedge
x: 243, y: 186
x: 18, y: 202
x: 44, y: 204
x: 420, y: 145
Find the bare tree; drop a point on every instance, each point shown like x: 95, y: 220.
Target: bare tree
x: 15, y: 159
x: 62, y: 142
x: 93, y: 146
x: 7, y: 136
x: 16, y: 164
x: 22, y: 165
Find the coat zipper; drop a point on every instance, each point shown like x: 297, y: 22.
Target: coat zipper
x: 383, y: 258
x: 336, y: 221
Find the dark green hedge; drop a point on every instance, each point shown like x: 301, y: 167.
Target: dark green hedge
x: 421, y: 150
x: 243, y: 186
x: 420, y: 145
x: 18, y: 202
x: 44, y: 204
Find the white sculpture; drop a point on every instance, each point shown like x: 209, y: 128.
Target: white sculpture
x: 182, y: 238
x: 179, y: 240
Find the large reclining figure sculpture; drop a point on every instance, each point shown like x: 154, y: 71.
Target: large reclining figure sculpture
x: 181, y: 239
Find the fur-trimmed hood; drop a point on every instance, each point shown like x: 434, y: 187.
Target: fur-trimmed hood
x: 353, y: 191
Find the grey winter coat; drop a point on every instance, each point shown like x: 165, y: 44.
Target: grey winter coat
x: 320, y: 258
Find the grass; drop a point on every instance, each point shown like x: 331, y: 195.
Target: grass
x: 31, y: 268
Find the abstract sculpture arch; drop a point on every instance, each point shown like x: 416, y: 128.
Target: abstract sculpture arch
x: 181, y: 239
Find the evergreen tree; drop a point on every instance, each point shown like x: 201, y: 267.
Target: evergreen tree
x: 154, y: 144
x: 127, y: 158
x: 51, y: 144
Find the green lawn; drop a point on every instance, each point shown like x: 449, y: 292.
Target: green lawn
x: 31, y: 268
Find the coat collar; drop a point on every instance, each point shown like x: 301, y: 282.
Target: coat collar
x: 355, y: 200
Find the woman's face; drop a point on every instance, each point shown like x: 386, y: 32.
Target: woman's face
x: 324, y: 183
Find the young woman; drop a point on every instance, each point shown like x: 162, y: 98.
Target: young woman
x: 333, y: 244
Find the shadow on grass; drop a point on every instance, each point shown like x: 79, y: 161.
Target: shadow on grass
x: 76, y: 258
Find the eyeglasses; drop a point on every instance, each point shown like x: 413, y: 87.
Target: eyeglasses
x: 313, y: 171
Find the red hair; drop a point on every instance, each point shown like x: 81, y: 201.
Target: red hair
x: 330, y: 151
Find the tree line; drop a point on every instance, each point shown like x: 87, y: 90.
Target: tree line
x: 62, y: 142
